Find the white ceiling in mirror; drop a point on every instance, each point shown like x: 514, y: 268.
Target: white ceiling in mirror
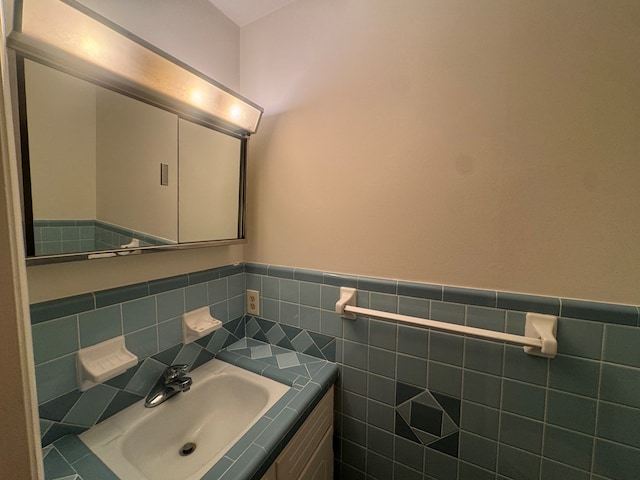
x: 243, y: 12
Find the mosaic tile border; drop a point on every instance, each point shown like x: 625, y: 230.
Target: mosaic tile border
x: 292, y: 338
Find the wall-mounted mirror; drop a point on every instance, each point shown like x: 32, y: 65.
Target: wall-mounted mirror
x: 121, y: 154
x: 109, y: 171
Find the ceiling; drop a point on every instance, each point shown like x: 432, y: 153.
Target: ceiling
x: 243, y: 12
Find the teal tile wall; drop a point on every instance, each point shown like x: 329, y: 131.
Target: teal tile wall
x: 109, y: 236
x: 149, y: 317
x: 64, y: 236
x: 72, y: 236
x: 510, y: 415
x: 410, y: 403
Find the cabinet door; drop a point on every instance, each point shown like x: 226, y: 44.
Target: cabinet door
x: 294, y: 458
x: 210, y: 177
x: 271, y: 474
x: 320, y: 466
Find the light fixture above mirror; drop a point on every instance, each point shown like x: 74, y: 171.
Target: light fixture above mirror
x: 66, y: 33
x: 209, y: 192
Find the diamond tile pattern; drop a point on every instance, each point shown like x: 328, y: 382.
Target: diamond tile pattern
x: 293, y: 338
x: 421, y: 418
x: 261, y: 351
x: 286, y: 360
x: 77, y: 411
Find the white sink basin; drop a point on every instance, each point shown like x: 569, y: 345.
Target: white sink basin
x: 144, y: 443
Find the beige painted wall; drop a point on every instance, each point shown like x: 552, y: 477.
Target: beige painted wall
x: 193, y: 31
x: 477, y: 144
x: 61, y: 112
x: 209, y: 183
x: 483, y: 144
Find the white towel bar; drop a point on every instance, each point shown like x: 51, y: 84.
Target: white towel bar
x: 540, y: 330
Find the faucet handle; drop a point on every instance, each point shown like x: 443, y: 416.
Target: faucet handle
x: 184, y: 383
x: 174, y: 372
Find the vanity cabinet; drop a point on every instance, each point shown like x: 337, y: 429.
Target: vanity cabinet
x: 309, y: 454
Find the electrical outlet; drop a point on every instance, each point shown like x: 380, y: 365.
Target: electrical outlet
x: 253, y: 302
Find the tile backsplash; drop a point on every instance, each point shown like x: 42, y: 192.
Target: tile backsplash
x: 411, y: 402
x: 149, y: 316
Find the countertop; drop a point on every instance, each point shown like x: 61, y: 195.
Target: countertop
x: 309, y: 378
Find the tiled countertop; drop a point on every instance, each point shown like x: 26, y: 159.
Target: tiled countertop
x: 308, y: 377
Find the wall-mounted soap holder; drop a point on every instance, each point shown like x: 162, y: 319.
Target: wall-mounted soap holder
x: 101, y: 362
x: 198, y: 323
x: 134, y: 243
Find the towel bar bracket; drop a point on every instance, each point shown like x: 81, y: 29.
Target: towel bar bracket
x: 545, y: 328
x: 347, y: 298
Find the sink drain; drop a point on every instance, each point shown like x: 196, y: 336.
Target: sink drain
x: 187, y: 449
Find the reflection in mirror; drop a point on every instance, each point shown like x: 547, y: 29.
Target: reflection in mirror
x: 209, y: 175
x: 95, y: 160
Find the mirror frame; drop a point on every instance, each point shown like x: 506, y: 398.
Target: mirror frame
x: 56, y: 44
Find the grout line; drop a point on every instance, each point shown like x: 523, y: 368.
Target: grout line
x: 78, y: 330
x: 544, y: 419
x: 395, y: 384
x: 500, y: 413
x: 117, y: 390
x: 121, y: 319
x: 595, y: 427
x: 462, y: 372
x: 560, y: 308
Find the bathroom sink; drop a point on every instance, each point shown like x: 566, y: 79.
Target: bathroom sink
x: 186, y: 435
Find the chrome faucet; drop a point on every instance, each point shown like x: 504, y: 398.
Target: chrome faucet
x: 172, y: 381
